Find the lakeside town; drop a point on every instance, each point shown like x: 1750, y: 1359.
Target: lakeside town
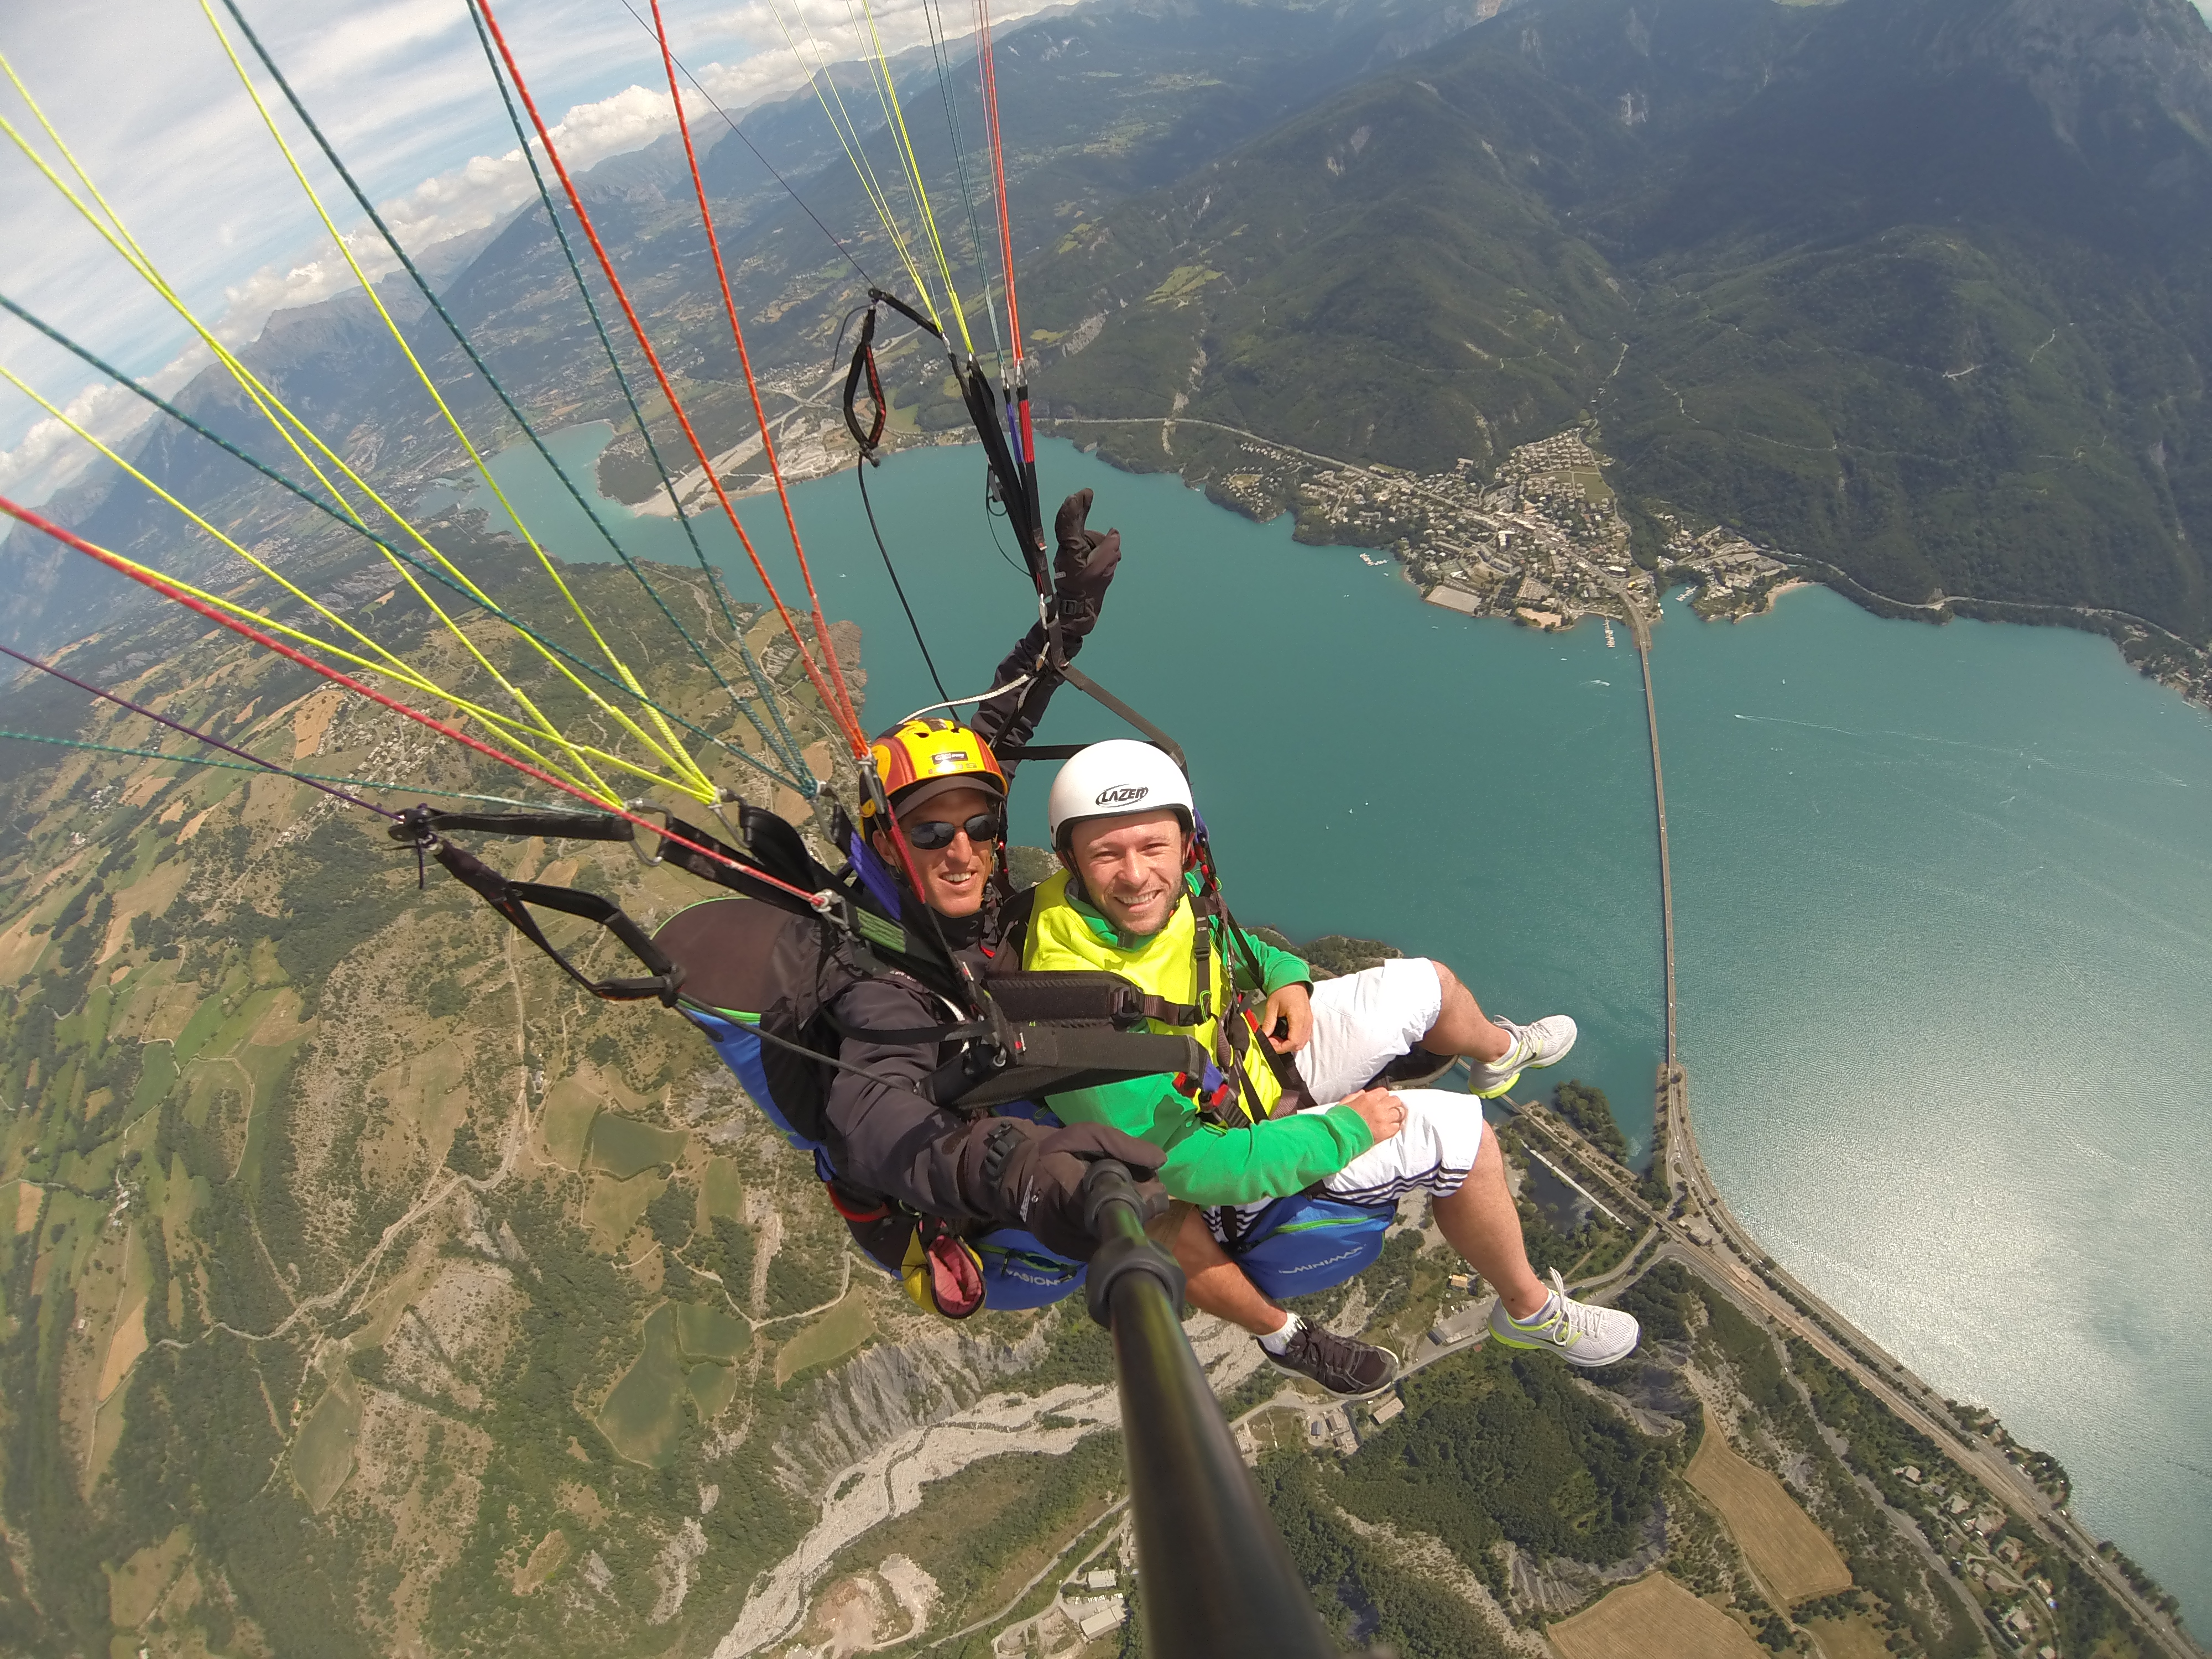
x: 1545, y: 545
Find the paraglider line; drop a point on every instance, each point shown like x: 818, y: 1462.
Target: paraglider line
x: 860, y: 471
x: 839, y: 714
x: 193, y: 732
x: 788, y: 752
x: 746, y: 362
x: 757, y: 156
x: 260, y: 765
x: 350, y: 522
x: 673, y: 752
x: 149, y: 579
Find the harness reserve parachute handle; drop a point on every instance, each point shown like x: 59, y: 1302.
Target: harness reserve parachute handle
x: 1217, y: 1576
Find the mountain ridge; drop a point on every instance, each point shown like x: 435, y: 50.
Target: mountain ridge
x: 1827, y: 347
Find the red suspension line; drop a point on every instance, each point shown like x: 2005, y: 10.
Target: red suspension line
x: 150, y: 579
x: 999, y: 173
x: 1018, y: 376
x: 852, y: 719
x: 745, y: 360
x: 837, y: 707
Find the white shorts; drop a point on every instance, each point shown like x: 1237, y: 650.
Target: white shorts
x: 1432, y: 1154
x: 1362, y: 1022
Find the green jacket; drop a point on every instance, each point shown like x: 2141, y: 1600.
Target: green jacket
x: 1206, y: 1162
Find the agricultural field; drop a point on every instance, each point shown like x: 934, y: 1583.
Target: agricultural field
x: 1793, y: 1558
x: 1654, y: 1618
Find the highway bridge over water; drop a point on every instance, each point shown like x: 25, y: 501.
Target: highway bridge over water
x: 1698, y: 1229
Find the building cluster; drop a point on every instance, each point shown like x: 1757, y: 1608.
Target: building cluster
x: 1542, y: 542
x: 1090, y: 1605
x: 1734, y: 577
x: 2005, y: 1577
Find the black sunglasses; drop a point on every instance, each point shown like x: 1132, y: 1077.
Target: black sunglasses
x: 931, y: 834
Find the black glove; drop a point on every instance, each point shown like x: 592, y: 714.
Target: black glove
x: 1083, y: 567
x: 1025, y: 1174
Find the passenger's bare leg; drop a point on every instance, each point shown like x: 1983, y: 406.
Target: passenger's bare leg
x: 1480, y: 1223
x: 1463, y: 1028
x: 1218, y: 1285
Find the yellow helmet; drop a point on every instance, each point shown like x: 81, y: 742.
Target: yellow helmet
x: 926, y: 758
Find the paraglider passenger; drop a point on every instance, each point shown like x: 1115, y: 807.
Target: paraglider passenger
x: 1306, y: 1107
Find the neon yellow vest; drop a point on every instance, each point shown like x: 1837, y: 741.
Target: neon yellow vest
x: 1063, y: 938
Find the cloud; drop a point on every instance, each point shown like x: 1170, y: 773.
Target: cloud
x: 400, y: 87
x: 50, y: 454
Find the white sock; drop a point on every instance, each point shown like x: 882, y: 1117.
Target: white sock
x: 1281, y: 1340
x: 1538, y: 1317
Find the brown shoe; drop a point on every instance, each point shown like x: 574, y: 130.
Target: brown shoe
x: 1347, y: 1367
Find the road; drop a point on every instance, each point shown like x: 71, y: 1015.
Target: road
x: 1729, y: 1259
x: 1738, y: 1262
x: 1731, y: 1256
x: 1735, y: 1259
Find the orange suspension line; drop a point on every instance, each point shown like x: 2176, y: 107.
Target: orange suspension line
x: 1018, y: 375
x: 745, y: 360
x: 997, y: 170
x: 838, y: 708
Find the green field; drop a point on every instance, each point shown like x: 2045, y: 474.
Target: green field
x: 830, y: 1336
x: 643, y: 1417
x: 623, y: 1147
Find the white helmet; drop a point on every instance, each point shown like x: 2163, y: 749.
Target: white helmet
x: 1113, y: 780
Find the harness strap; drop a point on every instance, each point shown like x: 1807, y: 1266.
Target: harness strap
x: 512, y: 898
x: 960, y: 1033
x: 1097, y: 693
x: 849, y: 1202
x: 1043, y: 1060
x: 884, y: 297
x: 1078, y: 997
x: 976, y: 390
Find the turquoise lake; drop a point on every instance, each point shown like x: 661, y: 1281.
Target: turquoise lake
x: 1943, y: 901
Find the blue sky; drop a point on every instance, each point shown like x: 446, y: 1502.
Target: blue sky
x: 141, y: 92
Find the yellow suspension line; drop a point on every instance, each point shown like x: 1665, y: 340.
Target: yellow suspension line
x: 395, y: 667
x: 265, y: 400
x: 670, y: 748
x: 879, y: 72
x: 142, y: 262
x: 271, y: 408
x: 841, y: 122
x: 589, y: 781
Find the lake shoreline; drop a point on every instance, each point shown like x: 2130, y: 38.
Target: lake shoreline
x: 1983, y: 782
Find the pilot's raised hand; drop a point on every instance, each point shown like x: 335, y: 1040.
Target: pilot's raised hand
x: 1083, y: 566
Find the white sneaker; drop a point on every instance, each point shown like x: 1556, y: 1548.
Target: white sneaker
x: 1580, y: 1333
x: 1541, y: 1043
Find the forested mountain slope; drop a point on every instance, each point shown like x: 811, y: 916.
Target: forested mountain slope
x: 1917, y: 288
x: 1099, y: 101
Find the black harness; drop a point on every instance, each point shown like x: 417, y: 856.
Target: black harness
x: 785, y: 961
